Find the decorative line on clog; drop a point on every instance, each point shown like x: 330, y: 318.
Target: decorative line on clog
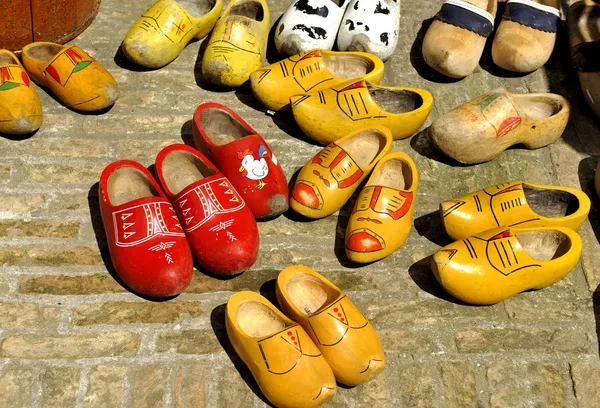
x: 461, y: 14
x: 533, y: 15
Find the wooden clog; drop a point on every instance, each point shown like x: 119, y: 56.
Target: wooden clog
x: 526, y: 36
x: 480, y: 130
x: 244, y: 158
x: 328, y: 115
x: 309, y: 24
x: 77, y: 79
x: 147, y: 245
x: 515, y: 203
x: 370, y: 26
x: 238, y: 43
x: 163, y: 31
x: 494, y: 265
x: 327, y: 181
x: 382, y: 217
x: 456, y: 38
x: 220, y: 228
x: 20, y: 108
x: 287, y: 366
x: 347, y: 340
x: 311, y: 72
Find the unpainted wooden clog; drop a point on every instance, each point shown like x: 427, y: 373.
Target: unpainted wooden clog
x: 494, y: 265
x: 287, y: 366
x: 238, y: 43
x: 163, y: 31
x: 514, y: 204
x: 483, y: 128
x: 456, y: 38
x: 20, y: 107
x: 347, y: 340
x: 382, y: 216
x: 77, y: 79
x: 328, y: 181
x: 330, y: 114
x: 311, y: 72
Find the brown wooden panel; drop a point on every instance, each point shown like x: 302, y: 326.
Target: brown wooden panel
x: 15, y: 25
x: 51, y: 18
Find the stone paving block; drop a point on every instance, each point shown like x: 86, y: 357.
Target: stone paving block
x: 21, y: 203
x: 40, y: 228
x: 106, y: 385
x: 404, y: 341
x: 547, y: 306
x: 70, y: 285
x: 14, y: 315
x: 191, y: 386
x: 15, y: 387
x: 148, y: 386
x: 58, y: 147
x: 233, y: 391
x: 59, y: 386
x: 3, y: 283
x: 411, y: 384
x: 202, y: 341
x: 50, y: 256
x: 460, y: 384
x: 586, y: 377
x: 4, y: 174
x: 130, y: 312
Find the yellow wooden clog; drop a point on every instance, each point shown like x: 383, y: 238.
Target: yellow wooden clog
x: 347, y: 340
x: 163, y: 31
x: 310, y: 72
x: 20, y: 108
x: 327, y: 181
x: 382, y: 217
x: 238, y: 43
x: 288, y: 367
x: 494, y: 265
x: 77, y: 79
x: 327, y: 115
x: 515, y: 203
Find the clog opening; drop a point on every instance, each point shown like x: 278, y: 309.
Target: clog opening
x: 220, y: 127
x: 347, y: 66
x: 538, y: 107
x: 181, y: 168
x: 257, y: 320
x: 252, y: 9
x: 197, y: 7
x: 544, y: 245
x: 396, y: 100
x: 43, y: 52
x: 550, y: 203
x: 309, y: 294
x: 6, y: 59
x: 395, y: 173
x: 364, y: 146
x: 126, y: 184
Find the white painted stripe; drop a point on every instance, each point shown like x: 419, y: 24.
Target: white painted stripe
x: 531, y: 3
x: 468, y: 6
x: 589, y: 94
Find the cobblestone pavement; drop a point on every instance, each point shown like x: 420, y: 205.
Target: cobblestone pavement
x: 71, y: 335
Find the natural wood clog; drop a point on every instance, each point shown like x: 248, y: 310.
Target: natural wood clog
x: 244, y: 158
x: 327, y: 181
x: 309, y: 24
x: 288, y: 367
x: 238, y: 43
x: 526, y: 36
x: 515, y: 203
x: 494, y: 265
x: 220, y: 228
x: 328, y: 115
x: 370, y: 26
x: 147, y: 245
x: 20, y: 108
x: 77, y: 79
x: 347, y: 340
x: 381, y: 219
x: 311, y: 72
x: 163, y: 31
x: 456, y: 38
x: 480, y: 130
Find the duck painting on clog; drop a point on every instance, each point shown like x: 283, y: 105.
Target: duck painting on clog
x: 494, y: 265
x: 328, y: 115
x: 77, y: 79
x: 382, y: 216
x: 483, y: 128
x: 288, y: 367
x: 515, y: 203
x: 163, y: 31
x: 328, y: 181
x: 310, y: 72
x: 347, y: 340
x: 20, y: 107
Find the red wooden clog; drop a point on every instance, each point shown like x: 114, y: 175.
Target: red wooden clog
x: 220, y: 227
x: 147, y: 244
x: 244, y: 158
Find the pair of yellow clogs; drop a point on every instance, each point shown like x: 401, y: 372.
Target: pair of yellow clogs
x: 74, y: 77
x: 511, y: 237
x: 297, y: 357
x: 382, y: 216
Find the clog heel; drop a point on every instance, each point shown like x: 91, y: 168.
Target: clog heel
x: 77, y: 79
x: 483, y: 128
x: 20, y: 107
x: 287, y: 366
x: 347, y: 340
x: 494, y: 265
x: 163, y: 31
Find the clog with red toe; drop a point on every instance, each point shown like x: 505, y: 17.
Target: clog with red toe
x: 220, y: 227
x: 146, y: 241
x: 244, y: 158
